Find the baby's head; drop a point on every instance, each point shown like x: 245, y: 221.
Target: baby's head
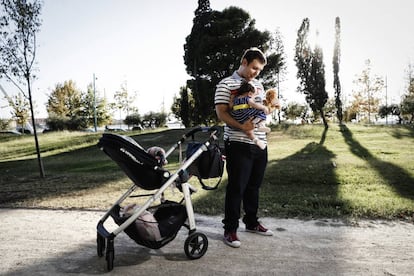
x: 159, y: 154
x: 246, y: 87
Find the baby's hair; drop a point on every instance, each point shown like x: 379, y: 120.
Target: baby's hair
x: 245, y: 87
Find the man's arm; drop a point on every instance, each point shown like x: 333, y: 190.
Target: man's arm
x: 223, y: 113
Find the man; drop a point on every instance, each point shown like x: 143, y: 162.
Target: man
x: 246, y: 162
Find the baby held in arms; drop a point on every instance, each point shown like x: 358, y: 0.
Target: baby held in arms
x: 243, y: 107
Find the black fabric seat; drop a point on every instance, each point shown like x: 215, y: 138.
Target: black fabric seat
x: 142, y: 168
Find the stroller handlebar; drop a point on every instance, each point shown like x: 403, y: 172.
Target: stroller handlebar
x: 212, y: 129
x: 214, y: 133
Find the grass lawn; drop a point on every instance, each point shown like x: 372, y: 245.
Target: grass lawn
x: 350, y: 171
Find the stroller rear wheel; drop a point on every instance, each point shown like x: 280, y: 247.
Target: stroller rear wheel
x: 196, y: 245
x: 110, y: 255
x: 100, y: 241
x: 110, y: 260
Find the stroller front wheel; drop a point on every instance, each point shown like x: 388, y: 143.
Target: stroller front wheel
x: 196, y: 245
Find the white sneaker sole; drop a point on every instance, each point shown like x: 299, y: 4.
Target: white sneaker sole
x: 235, y: 244
x: 267, y: 233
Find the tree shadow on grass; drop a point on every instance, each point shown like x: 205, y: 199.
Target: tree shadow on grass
x: 399, y: 179
x: 67, y: 173
x: 402, y: 131
x: 314, y: 193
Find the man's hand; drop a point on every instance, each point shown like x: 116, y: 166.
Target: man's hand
x: 248, y: 125
x: 223, y: 113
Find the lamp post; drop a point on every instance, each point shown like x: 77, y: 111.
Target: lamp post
x: 95, y: 121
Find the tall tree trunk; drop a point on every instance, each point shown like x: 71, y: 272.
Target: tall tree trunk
x: 325, y: 123
x: 39, y: 159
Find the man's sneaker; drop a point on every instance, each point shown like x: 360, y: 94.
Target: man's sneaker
x: 231, y: 239
x: 259, y: 229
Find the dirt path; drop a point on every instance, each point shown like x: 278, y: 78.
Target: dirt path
x: 44, y: 242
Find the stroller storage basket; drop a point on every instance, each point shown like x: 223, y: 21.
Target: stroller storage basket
x: 170, y: 217
x: 142, y: 168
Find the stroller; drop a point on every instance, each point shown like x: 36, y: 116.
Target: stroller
x: 146, y: 172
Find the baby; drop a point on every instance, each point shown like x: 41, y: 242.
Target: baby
x: 159, y: 154
x: 243, y: 107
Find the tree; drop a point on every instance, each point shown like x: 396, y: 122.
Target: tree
x: 196, y: 56
x: 20, y: 110
x: 295, y: 110
x: 20, y: 22
x: 123, y: 101
x: 393, y: 109
x: 278, y: 70
x: 407, y: 107
x: 88, y: 108
x: 20, y: 107
x: 368, y: 87
x: 65, y: 100
x: 303, y: 57
x: 275, y: 69
x: 212, y: 52
x: 407, y: 103
x: 311, y: 72
x: 64, y: 107
x: 133, y: 119
x: 354, y: 110
x: 4, y: 124
x: 154, y: 119
x: 183, y: 106
x: 69, y: 108
x: 330, y: 109
x: 335, y: 62
x: 318, y: 96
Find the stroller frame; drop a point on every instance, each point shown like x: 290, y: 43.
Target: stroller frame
x: 196, y: 243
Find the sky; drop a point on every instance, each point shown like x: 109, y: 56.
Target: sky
x: 140, y: 44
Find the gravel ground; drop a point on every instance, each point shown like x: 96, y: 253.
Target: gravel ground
x: 61, y: 242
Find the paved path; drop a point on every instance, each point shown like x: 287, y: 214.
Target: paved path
x: 45, y: 242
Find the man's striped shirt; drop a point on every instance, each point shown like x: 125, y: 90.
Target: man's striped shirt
x: 222, y: 96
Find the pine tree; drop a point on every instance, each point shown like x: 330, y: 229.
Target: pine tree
x: 212, y: 52
x: 311, y: 72
x: 318, y: 95
x: 335, y: 62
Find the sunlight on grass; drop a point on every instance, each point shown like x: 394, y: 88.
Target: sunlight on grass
x: 50, y: 144
x: 347, y: 171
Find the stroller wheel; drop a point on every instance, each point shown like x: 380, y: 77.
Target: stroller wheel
x: 195, y: 245
x: 100, y: 242
x: 110, y: 255
x: 110, y: 260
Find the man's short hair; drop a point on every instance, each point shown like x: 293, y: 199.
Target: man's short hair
x: 252, y: 54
